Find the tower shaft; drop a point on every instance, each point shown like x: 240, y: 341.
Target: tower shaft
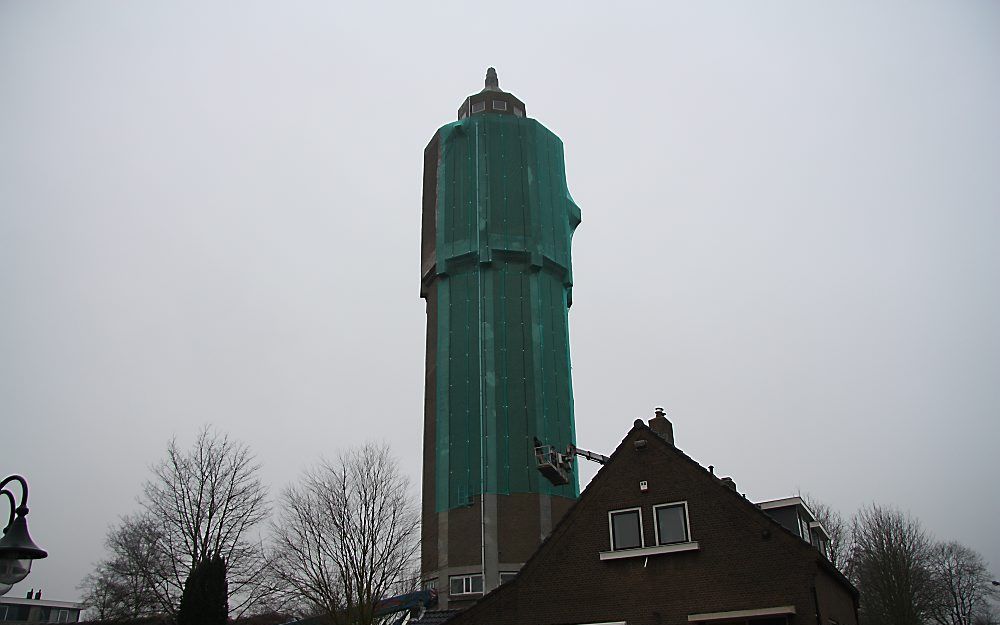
x: 496, y: 275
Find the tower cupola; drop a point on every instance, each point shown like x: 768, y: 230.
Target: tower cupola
x: 491, y: 100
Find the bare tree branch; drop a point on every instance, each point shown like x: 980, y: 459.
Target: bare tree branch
x: 962, y: 583
x: 347, y: 535
x: 199, y: 503
x: 889, y: 565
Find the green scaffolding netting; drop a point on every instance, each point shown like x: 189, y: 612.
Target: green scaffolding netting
x: 504, y: 225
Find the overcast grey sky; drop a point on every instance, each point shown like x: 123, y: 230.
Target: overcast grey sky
x: 209, y: 214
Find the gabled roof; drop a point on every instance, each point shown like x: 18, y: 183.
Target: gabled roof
x: 654, y: 444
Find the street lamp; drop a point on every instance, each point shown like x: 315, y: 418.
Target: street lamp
x: 17, y: 550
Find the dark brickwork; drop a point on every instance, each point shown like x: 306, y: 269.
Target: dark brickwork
x: 523, y: 511
x: 834, y: 603
x: 465, y: 539
x: 428, y: 518
x: 746, y: 561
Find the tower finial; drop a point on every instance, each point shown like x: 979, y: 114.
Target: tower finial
x: 492, y: 82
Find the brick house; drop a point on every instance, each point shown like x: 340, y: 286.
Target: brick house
x: 656, y: 539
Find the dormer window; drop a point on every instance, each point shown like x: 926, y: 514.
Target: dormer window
x: 478, y: 107
x: 804, y: 529
x: 499, y: 105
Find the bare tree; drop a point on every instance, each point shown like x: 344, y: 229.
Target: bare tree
x: 962, y: 582
x: 889, y: 564
x: 347, y: 535
x: 98, y: 594
x: 129, y: 583
x: 839, y: 530
x: 205, y: 502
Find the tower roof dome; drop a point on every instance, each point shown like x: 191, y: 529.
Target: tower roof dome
x: 492, y: 100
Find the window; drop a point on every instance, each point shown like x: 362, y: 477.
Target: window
x: 804, y: 529
x: 506, y: 577
x: 63, y: 616
x: 671, y: 523
x: 478, y: 106
x: 819, y: 541
x: 430, y: 584
x: 465, y: 584
x: 626, y: 529
x: 518, y: 111
x: 499, y: 105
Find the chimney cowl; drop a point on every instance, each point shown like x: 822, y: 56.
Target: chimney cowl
x: 662, y: 426
x: 729, y: 483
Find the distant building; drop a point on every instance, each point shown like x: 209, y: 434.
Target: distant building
x: 656, y: 539
x: 33, y: 609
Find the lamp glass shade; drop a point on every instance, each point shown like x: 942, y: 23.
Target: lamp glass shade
x: 16, y: 543
x: 13, y: 571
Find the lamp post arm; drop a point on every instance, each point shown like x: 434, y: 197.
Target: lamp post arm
x: 10, y: 496
x: 24, y: 488
x: 21, y: 509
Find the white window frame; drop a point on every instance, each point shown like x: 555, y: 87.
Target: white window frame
x: 510, y: 576
x: 687, y: 523
x: 499, y: 105
x: 611, y: 529
x: 466, y: 585
x: 478, y: 107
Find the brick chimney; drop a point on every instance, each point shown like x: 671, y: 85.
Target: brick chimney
x: 662, y: 426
